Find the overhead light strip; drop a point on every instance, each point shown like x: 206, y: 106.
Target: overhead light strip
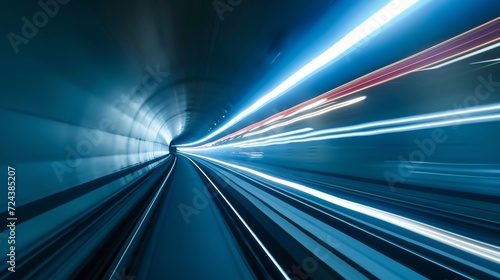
x: 369, y: 26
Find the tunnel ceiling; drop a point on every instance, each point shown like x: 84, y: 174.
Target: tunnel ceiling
x: 173, y: 70
x: 214, y: 52
x: 209, y: 62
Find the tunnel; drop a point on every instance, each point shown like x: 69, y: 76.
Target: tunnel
x: 238, y: 139
x: 172, y: 149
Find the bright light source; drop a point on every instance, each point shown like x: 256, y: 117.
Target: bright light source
x: 369, y: 26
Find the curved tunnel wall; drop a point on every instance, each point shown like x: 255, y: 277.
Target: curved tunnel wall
x: 67, y: 157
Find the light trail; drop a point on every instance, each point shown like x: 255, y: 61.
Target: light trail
x: 476, y: 38
x: 469, y: 245
x: 273, y: 260
x: 385, y: 15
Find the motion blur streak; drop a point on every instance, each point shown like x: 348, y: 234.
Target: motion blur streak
x: 483, y: 35
x: 314, y: 136
x: 306, y: 116
x: 243, y: 221
x: 481, y: 249
x: 464, y: 57
x: 214, y: 139
x: 486, y: 61
x: 422, y: 172
x: 114, y: 272
x: 380, y: 18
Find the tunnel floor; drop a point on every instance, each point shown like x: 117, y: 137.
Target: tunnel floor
x: 195, y: 243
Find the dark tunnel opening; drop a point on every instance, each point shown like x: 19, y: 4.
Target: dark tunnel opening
x: 172, y: 150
